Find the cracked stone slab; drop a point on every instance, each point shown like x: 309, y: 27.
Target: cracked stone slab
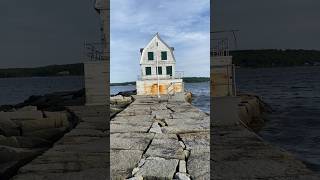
x: 160, y: 106
x: 155, y: 128
x: 123, y: 127
x: 165, y: 148
x: 166, y: 136
x: 187, y: 125
x: 134, y: 112
x: 123, y: 162
x: 189, y: 114
x: 130, y: 141
x: 133, y: 119
x: 198, y: 165
x: 197, y: 141
x: 136, y: 109
x: 161, y: 114
x: 182, y: 108
x: 185, y: 128
x: 158, y: 168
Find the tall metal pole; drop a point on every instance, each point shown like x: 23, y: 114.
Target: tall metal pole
x: 157, y: 70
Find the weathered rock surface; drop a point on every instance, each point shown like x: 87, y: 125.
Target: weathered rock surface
x: 27, y: 132
x: 182, y: 176
x: 123, y: 162
x: 130, y: 141
x: 80, y: 154
x: 158, y: 168
x: 239, y: 153
x: 155, y: 128
x: 165, y: 148
x: 158, y: 129
x: 120, y: 100
x: 8, y: 127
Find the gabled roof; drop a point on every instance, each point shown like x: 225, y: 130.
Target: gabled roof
x: 158, y: 37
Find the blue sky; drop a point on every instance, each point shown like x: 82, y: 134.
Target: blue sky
x: 182, y: 24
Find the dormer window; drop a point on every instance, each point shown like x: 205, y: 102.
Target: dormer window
x: 164, y: 55
x: 150, y: 56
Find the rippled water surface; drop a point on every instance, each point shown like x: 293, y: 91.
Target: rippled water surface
x: 294, y: 95
x: 16, y: 90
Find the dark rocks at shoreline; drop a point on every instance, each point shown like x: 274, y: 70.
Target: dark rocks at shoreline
x: 253, y: 111
x: 51, y: 102
x: 119, y: 103
x: 55, y: 101
x: 26, y: 133
x: 6, y: 107
x: 127, y: 93
x: 29, y: 128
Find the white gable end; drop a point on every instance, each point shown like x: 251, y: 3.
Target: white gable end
x: 156, y: 45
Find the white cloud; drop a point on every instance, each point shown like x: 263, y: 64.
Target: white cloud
x: 183, y: 24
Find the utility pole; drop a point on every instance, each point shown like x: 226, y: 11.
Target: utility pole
x: 157, y: 69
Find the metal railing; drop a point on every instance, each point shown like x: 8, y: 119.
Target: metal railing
x: 93, y: 51
x: 178, y: 75
x: 220, y: 47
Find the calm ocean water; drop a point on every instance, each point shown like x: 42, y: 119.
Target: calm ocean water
x: 294, y: 95
x: 16, y: 90
x: 200, y: 91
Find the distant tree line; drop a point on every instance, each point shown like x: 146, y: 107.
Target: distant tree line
x: 195, y: 79
x: 52, y: 70
x: 69, y: 70
x: 275, y: 58
x: 185, y: 79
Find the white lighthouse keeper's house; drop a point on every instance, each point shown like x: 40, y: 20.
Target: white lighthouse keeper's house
x: 158, y: 70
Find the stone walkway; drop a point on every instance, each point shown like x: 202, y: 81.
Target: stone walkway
x: 165, y: 139
x: 240, y: 154
x: 160, y: 140
x: 80, y: 155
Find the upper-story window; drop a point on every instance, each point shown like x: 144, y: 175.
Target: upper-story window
x: 164, y: 55
x: 169, y: 70
x: 160, y: 70
x: 148, y: 71
x: 150, y: 56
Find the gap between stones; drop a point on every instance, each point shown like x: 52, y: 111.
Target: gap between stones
x: 178, y: 173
